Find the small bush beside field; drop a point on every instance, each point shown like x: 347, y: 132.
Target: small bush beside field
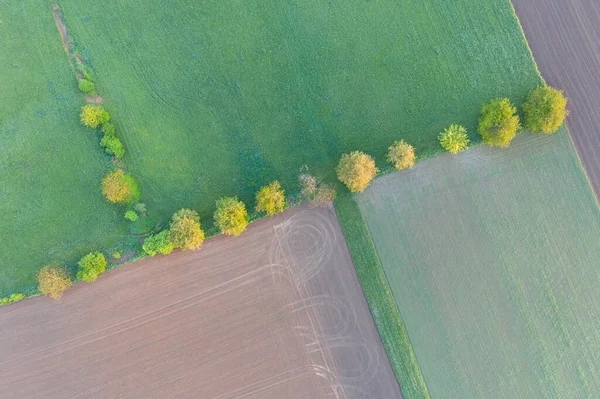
x: 185, y: 230
x: 231, y: 216
x: 131, y: 216
x: 91, y: 266
x: 54, y: 280
x: 113, y: 146
x: 86, y: 86
x: 454, y: 139
x: 545, y: 110
x: 94, y: 115
x: 314, y: 192
x: 119, y: 187
x: 356, y: 170
x: 11, y: 299
x: 499, y: 123
x: 158, y: 244
x: 270, y: 199
x: 401, y: 155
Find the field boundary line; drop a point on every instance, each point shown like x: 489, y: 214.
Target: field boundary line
x: 381, y: 301
x: 522, y: 31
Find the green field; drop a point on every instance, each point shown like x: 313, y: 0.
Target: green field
x: 218, y: 98
x: 51, y: 207
x: 492, y: 257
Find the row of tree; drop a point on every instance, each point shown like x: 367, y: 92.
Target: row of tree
x: 545, y: 111
x: 184, y: 232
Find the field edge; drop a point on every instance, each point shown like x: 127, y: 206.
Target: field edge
x: 380, y: 299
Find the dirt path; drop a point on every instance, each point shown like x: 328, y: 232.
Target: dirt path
x: 563, y: 36
x: 275, y: 313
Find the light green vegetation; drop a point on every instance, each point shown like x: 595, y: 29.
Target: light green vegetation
x: 219, y: 98
x: 381, y: 301
x: 492, y: 258
x: 51, y: 206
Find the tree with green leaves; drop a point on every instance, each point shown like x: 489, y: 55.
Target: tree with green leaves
x: 499, y: 123
x: 356, y: 170
x: 94, y: 115
x: 185, y: 230
x: 231, y: 216
x: 120, y: 187
x: 454, y: 139
x: 91, y: 266
x: 159, y: 243
x: 270, y: 199
x: 545, y: 109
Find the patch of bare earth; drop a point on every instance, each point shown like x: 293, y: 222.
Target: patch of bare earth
x: 275, y: 313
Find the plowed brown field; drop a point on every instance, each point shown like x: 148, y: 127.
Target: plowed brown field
x: 275, y: 313
x: 563, y: 36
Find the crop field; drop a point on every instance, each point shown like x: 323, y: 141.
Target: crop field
x: 51, y: 207
x: 492, y: 257
x: 219, y: 97
x: 275, y: 313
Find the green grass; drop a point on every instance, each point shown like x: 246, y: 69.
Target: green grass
x: 220, y: 98
x: 492, y: 258
x: 51, y: 205
x: 381, y: 301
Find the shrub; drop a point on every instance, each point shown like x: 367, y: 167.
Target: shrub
x: 91, y: 266
x: 270, y: 199
x: 231, y: 216
x: 186, y: 232
x: 131, y: 216
x: 119, y: 187
x: 85, y: 70
x: 401, y: 155
x: 356, y: 170
x: 499, y: 123
x: 16, y: 297
x: 113, y: 146
x: 53, y: 280
x: 116, y: 255
x: 86, y: 86
x: 454, y: 139
x: 108, y: 129
x: 158, y: 244
x: 11, y: 299
x: 545, y: 109
x: 94, y: 115
x: 314, y: 192
x: 140, y: 208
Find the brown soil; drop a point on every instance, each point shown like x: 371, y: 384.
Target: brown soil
x: 563, y: 36
x: 62, y: 28
x: 94, y: 100
x: 275, y: 313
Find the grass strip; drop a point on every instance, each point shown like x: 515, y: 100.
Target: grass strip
x: 381, y: 301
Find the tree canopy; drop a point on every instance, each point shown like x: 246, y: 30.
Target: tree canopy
x: 401, y: 155
x: 454, y: 139
x: 499, y: 123
x: 231, y: 216
x: 91, y: 266
x: 270, y: 199
x: 185, y: 230
x: 545, y: 109
x: 53, y: 280
x: 356, y: 170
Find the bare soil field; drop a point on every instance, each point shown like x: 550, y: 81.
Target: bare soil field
x: 275, y: 313
x: 563, y: 36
